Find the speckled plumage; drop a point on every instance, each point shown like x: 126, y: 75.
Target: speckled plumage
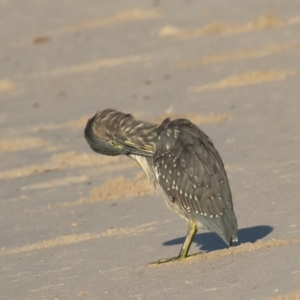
x: 180, y: 161
x: 191, y: 173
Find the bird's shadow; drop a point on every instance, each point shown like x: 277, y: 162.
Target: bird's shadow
x: 209, y: 241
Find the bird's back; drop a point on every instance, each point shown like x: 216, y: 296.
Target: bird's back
x: 191, y: 173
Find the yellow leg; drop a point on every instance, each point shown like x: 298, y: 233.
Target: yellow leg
x: 185, y: 246
x: 188, y: 240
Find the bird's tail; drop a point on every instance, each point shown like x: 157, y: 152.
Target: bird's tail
x: 225, y: 226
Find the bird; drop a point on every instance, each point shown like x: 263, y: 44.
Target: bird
x: 181, y: 163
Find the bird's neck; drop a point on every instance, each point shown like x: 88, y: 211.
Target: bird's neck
x: 140, y: 133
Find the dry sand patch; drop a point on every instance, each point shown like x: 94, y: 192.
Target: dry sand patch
x: 77, y: 238
x: 264, y: 22
x: 112, y: 189
x: 290, y: 296
x: 56, y: 182
x: 21, y: 144
x: 133, y: 15
x: 242, y: 54
x: 6, y: 85
x: 69, y: 160
x: 92, y: 66
x: 244, y: 79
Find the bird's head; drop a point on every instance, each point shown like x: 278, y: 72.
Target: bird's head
x: 112, y: 133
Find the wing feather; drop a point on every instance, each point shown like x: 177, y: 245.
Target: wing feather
x: 193, y: 175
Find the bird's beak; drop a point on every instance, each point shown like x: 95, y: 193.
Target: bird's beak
x: 130, y: 148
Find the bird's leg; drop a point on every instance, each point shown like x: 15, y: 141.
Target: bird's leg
x: 185, y: 246
x: 188, y: 240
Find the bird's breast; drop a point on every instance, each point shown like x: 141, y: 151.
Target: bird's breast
x: 146, y: 164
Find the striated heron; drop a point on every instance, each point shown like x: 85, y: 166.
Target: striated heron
x: 180, y: 161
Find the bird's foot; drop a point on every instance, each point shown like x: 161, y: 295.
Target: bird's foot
x: 173, y: 259
x: 164, y: 260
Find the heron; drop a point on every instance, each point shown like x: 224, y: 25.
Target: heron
x: 180, y: 161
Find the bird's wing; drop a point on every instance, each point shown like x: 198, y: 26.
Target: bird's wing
x: 191, y: 172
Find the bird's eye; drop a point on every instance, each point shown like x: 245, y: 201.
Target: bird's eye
x: 112, y: 143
